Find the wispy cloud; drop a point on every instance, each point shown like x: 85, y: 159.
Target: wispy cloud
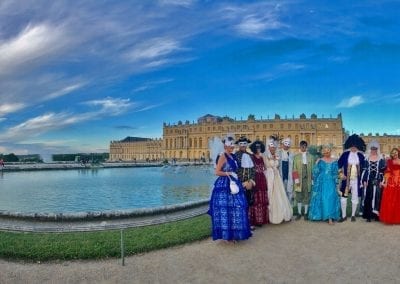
x: 111, y: 106
x: 184, y: 3
x: 153, y: 48
x: 151, y: 85
x: 10, y: 108
x: 351, y: 102
x: 284, y: 69
x: 63, y: 91
x: 44, y: 123
x: 255, y: 25
x: 34, y: 43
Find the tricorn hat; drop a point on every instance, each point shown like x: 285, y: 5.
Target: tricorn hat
x: 242, y: 141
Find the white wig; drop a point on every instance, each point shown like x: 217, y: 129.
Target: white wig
x: 373, y: 144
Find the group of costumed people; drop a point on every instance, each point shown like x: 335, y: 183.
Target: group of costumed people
x: 262, y: 186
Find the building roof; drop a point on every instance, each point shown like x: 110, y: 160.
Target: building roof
x: 135, y: 139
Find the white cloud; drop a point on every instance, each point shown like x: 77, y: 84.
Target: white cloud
x: 184, y: 3
x: 10, y: 108
x: 252, y: 25
x: 40, y: 41
x: 111, y: 106
x: 63, y: 91
x: 151, y: 85
x: 54, y: 121
x: 153, y: 48
x: 351, y: 102
x: 281, y: 70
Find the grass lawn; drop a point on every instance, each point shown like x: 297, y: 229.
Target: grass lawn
x: 101, y: 244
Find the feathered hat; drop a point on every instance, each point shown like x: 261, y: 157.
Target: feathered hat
x: 229, y: 140
x: 272, y: 142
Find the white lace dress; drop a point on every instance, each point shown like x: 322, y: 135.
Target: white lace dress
x: 279, y: 206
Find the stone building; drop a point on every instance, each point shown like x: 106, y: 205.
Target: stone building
x: 136, y: 149
x: 387, y: 142
x: 189, y: 141
x: 185, y: 141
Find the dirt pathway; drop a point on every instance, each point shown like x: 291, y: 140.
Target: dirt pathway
x: 296, y: 252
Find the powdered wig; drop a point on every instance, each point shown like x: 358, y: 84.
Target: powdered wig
x: 257, y: 145
x: 326, y: 148
x: 355, y: 141
x: 373, y: 144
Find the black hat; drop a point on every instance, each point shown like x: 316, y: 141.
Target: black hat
x: 355, y: 141
x: 242, y: 141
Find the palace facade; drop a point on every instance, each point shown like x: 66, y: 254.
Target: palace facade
x: 136, y: 149
x: 189, y: 141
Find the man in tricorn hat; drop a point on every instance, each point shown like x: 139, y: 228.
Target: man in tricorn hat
x: 245, y: 172
x: 350, y: 164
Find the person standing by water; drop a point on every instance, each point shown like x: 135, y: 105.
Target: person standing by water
x: 228, y: 210
x: 390, y: 205
x: 245, y: 170
x: 325, y: 204
x: 372, y: 177
x: 259, y: 210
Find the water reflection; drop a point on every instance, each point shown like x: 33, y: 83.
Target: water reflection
x: 103, y: 189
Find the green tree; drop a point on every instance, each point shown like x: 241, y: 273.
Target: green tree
x: 10, y: 158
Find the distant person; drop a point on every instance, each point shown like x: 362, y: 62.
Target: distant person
x: 228, y: 209
x: 259, y: 214
x: 390, y: 205
x: 2, y: 164
x: 303, y: 164
x: 372, y: 177
x: 279, y: 207
x: 350, y: 166
x: 324, y: 203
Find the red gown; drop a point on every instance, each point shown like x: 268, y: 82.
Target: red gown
x: 258, y: 213
x: 390, y: 204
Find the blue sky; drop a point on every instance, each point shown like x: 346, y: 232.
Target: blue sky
x: 75, y: 75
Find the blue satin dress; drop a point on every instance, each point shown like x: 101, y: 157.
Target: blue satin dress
x: 325, y: 203
x: 229, y: 212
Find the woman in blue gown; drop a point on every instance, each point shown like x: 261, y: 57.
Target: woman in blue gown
x: 229, y: 212
x: 325, y: 204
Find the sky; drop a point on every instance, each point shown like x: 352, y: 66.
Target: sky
x: 75, y: 75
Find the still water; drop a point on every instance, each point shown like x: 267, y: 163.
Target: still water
x: 103, y: 189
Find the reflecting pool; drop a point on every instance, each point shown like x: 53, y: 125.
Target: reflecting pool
x: 103, y: 189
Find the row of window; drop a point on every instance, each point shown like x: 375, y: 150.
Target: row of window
x: 244, y: 127
x: 180, y: 142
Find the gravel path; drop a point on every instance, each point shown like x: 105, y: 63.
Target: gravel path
x: 295, y: 252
